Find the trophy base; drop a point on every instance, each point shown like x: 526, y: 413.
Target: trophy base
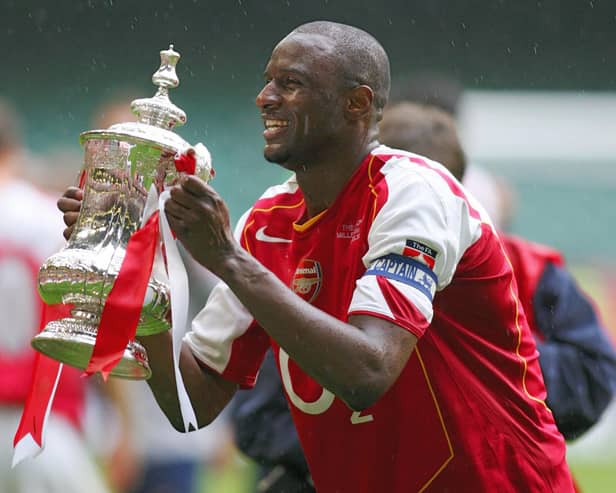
x: 71, y: 341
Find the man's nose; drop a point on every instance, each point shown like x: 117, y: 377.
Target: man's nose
x: 268, y: 96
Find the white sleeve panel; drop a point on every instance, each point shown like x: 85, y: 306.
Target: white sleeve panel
x: 368, y: 297
x: 223, y: 320
x: 416, y: 239
x: 421, y: 207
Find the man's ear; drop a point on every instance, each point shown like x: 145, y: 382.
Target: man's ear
x: 359, y: 102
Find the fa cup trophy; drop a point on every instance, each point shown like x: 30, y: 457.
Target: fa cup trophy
x: 125, y: 167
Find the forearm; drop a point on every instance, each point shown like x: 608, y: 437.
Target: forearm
x: 341, y: 357
x: 209, y: 393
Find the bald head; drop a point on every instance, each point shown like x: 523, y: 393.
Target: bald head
x: 424, y: 130
x: 359, y: 57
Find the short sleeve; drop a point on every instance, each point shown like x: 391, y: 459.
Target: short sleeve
x: 414, y: 244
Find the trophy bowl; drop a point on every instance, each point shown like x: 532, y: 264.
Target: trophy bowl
x: 122, y: 164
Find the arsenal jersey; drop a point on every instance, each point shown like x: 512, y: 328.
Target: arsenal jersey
x: 405, y: 243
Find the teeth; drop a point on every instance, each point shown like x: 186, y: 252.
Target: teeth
x: 276, y: 123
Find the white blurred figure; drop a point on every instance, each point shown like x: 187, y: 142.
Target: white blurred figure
x: 30, y: 231
x: 496, y: 195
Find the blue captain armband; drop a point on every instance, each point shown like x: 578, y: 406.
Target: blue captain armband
x: 405, y: 270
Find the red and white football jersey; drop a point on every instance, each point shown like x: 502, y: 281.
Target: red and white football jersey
x: 402, y: 242
x: 30, y: 231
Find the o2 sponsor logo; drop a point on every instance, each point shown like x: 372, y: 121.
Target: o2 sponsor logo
x: 319, y: 405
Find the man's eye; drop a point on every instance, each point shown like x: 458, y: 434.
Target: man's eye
x: 291, y: 81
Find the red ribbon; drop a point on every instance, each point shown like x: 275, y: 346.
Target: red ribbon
x: 186, y: 162
x: 123, y: 307
x: 43, y: 381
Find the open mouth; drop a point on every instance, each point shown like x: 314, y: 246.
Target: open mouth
x: 273, y: 128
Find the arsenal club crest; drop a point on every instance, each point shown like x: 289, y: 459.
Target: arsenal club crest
x: 307, y: 279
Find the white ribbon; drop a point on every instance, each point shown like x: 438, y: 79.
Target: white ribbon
x: 178, y: 286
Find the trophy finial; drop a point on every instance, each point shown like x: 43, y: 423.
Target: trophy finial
x: 165, y: 77
x: 159, y: 110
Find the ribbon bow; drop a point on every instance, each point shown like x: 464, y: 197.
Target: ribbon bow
x: 186, y: 161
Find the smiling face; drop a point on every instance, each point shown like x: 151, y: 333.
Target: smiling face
x: 302, y: 101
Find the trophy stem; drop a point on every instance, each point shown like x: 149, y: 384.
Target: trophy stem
x: 71, y: 340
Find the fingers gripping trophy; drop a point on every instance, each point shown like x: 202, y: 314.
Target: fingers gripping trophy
x: 111, y: 277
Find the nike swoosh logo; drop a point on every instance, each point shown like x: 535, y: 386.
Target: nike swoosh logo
x: 261, y: 236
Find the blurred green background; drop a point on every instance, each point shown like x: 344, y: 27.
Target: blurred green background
x: 60, y: 61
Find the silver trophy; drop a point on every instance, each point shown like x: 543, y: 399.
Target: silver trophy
x: 122, y: 164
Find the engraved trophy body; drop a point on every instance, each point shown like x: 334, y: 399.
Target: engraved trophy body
x: 122, y: 165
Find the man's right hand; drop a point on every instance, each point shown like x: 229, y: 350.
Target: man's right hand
x: 70, y: 205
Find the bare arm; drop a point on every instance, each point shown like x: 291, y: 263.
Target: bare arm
x: 358, y: 361
x: 209, y: 392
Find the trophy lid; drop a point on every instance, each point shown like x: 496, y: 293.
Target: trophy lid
x: 159, y: 110
x: 156, y: 115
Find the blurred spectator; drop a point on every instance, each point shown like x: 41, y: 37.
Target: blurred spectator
x: 495, y: 194
x: 30, y: 231
x: 429, y: 88
x: 576, y: 356
x: 439, y: 90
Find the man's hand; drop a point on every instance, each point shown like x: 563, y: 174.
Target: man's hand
x: 200, y: 219
x: 70, y: 205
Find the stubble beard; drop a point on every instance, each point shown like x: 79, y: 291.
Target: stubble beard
x: 278, y: 156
